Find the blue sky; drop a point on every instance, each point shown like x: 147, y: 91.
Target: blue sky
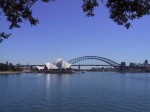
x: 64, y: 31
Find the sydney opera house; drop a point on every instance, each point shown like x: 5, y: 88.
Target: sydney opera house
x: 59, y: 66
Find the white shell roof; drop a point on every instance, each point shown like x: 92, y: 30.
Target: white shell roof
x: 40, y: 67
x: 61, y: 64
x: 50, y: 66
x: 58, y: 64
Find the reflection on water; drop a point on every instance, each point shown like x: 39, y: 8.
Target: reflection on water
x: 48, y: 79
x: 88, y: 92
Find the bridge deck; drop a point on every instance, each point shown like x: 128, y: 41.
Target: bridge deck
x: 90, y: 65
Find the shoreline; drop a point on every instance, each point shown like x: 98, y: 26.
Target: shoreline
x: 11, y: 72
x: 20, y: 72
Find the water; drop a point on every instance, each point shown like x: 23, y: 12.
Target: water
x: 88, y: 92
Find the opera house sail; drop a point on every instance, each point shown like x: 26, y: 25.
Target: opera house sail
x: 58, y: 66
x: 61, y: 64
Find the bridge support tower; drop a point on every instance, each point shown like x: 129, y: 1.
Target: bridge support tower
x: 123, y: 67
x: 79, y: 67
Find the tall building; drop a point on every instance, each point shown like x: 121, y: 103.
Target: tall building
x: 146, y: 62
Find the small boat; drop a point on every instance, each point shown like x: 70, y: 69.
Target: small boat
x: 83, y: 71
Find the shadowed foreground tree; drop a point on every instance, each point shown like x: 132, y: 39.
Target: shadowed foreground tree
x: 121, y: 11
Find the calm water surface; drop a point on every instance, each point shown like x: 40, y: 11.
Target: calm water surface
x: 88, y: 92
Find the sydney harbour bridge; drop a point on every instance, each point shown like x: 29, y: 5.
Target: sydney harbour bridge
x: 94, y: 61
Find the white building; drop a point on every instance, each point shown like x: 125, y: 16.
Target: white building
x: 58, y: 64
x: 50, y: 66
x: 40, y: 67
x: 61, y: 64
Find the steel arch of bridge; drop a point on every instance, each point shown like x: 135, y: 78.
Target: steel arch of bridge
x: 108, y: 61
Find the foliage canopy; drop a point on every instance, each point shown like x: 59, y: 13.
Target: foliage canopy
x: 121, y: 11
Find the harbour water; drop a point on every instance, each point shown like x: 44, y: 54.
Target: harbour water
x: 84, y: 92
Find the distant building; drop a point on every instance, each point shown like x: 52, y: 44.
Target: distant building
x: 145, y: 64
x: 136, y: 65
x: 132, y: 64
x: 2, y: 67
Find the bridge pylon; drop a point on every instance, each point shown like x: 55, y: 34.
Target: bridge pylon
x: 79, y: 67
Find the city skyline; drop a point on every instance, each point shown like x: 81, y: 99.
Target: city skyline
x: 65, y: 32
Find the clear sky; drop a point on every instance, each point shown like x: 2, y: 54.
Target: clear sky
x: 64, y: 31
